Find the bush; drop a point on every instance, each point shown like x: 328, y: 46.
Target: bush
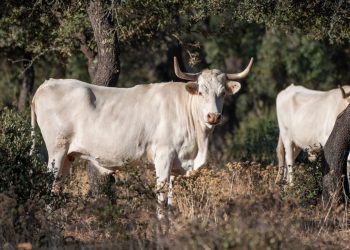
x: 307, y: 180
x: 22, y: 176
x: 255, y: 139
x: 24, y: 187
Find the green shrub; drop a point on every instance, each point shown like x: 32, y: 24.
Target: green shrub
x: 255, y: 139
x: 22, y: 175
x: 307, y: 183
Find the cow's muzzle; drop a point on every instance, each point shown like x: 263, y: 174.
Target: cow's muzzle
x: 213, y: 118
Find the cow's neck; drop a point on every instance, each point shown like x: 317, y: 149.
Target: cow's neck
x: 202, y: 133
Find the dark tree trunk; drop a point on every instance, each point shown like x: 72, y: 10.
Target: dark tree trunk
x: 334, y: 164
x: 106, y: 68
x: 165, y: 70
x: 27, y: 83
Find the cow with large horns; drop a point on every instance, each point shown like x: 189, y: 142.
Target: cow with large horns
x: 167, y: 123
x: 305, y: 118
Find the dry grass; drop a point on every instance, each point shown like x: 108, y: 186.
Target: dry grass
x: 234, y: 207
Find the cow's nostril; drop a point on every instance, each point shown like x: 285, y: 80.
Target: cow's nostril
x: 213, y: 118
x: 210, y: 118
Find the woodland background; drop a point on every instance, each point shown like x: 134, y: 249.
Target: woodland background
x: 305, y: 43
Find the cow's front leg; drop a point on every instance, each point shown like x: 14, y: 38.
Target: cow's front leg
x: 163, y: 162
x: 170, y: 193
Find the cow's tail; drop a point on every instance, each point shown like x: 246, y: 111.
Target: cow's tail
x: 281, y: 159
x: 33, y: 125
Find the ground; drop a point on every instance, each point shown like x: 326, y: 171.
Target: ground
x: 237, y: 206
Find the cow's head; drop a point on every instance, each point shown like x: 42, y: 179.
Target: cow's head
x: 211, y: 87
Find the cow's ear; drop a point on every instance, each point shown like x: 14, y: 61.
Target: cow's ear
x: 192, y: 88
x: 232, y: 87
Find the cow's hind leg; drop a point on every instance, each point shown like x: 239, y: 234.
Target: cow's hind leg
x: 296, y: 152
x: 281, y: 160
x: 289, y: 161
x: 293, y: 152
x: 59, y: 165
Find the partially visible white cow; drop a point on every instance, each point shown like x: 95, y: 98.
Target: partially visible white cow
x: 167, y: 123
x: 305, y: 119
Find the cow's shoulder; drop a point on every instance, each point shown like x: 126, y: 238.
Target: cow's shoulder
x: 162, y: 91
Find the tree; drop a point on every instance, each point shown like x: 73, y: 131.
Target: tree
x: 321, y: 19
x: 104, y: 66
x: 334, y: 162
x: 27, y: 32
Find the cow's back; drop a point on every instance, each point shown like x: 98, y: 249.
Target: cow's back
x: 307, y: 116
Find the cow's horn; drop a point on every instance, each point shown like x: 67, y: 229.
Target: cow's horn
x: 345, y: 95
x: 242, y: 74
x: 182, y: 75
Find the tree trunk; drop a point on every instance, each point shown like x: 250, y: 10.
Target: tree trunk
x: 106, y: 64
x: 334, y: 164
x: 165, y: 70
x: 27, y: 83
x: 104, y: 68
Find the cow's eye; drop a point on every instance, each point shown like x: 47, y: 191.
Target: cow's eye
x: 200, y: 93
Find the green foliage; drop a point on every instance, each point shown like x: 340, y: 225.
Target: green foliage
x: 27, y: 26
x: 76, y: 68
x: 23, y: 175
x: 320, y: 19
x: 256, y: 138
x: 230, y: 40
x: 8, y: 83
x: 294, y: 58
x: 145, y: 20
x: 307, y: 183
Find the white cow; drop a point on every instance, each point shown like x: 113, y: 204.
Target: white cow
x: 167, y: 123
x: 305, y: 119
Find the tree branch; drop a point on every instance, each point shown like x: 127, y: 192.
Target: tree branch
x: 89, y: 54
x: 84, y: 47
